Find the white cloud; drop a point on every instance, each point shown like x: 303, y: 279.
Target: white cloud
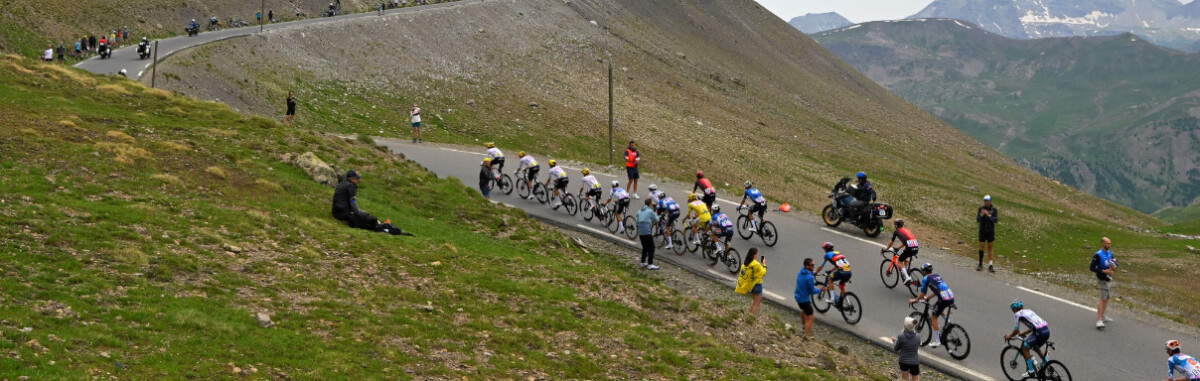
x: 854, y: 10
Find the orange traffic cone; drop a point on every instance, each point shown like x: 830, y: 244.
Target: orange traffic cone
x: 785, y: 208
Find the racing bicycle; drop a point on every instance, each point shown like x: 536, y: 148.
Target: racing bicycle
x: 889, y: 272
x: 1014, y: 364
x: 954, y: 336
x: 766, y: 229
x: 847, y: 303
x: 539, y: 189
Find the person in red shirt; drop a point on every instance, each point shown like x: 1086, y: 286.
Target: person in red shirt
x: 632, y: 159
x: 710, y: 193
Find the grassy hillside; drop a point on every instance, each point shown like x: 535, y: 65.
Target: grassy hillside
x: 145, y: 231
x: 1113, y: 116
x: 725, y: 87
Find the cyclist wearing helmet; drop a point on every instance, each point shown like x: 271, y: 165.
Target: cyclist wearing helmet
x: 622, y: 197
x: 698, y: 209
x: 710, y: 193
x: 496, y: 156
x: 722, y: 228
x: 840, y: 272
x: 527, y: 161
x: 942, y: 291
x: 1188, y: 367
x: 654, y: 194
x: 592, y: 185
x: 667, y: 206
x: 908, y: 242
x: 1036, y: 336
x: 559, y: 176
x: 760, y: 204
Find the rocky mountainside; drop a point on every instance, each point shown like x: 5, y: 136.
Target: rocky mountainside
x: 819, y: 22
x: 1115, y: 116
x: 1164, y: 22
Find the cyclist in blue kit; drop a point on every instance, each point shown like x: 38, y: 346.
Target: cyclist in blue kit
x: 1036, y: 335
x: 945, y: 297
x: 760, y: 204
x: 1187, y: 366
x: 669, y: 209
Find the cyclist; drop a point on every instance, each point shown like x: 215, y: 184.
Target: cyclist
x: 710, y: 193
x: 527, y: 161
x: 212, y: 22
x: 654, y: 194
x: 592, y: 185
x: 700, y: 211
x: 840, y: 272
x: 908, y: 242
x: 496, y: 156
x: 722, y: 228
x: 941, y: 291
x: 622, y: 197
x: 668, y: 207
x: 1187, y: 366
x: 1036, y: 336
x: 760, y: 204
x: 559, y: 176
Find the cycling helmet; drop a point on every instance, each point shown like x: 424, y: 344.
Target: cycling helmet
x: 616, y: 183
x: 699, y: 174
x: 553, y: 163
x: 691, y: 197
x: 144, y: 39
x: 827, y: 246
x: 653, y: 187
x: 1017, y: 305
x: 487, y: 160
x: 716, y: 209
x: 899, y: 222
x: 1173, y: 346
x: 586, y: 171
x: 490, y: 145
x: 521, y: 154
x: 927, y: 267
x: 193, y: 20
x: 862, y: 175
x: 749, y: 184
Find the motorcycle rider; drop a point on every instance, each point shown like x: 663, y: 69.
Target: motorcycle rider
x: 144, y: 46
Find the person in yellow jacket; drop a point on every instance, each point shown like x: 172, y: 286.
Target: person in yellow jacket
x: 751, y: 278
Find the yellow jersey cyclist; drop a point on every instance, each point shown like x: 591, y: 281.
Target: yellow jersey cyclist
x: 619, y: 195
x: 698, y: 209
x: 593, y: 187
x: 560, y: 179
x: 840, y: 272
x: 496, y: 156
x: 1187, y: 366
x: 527, y: 161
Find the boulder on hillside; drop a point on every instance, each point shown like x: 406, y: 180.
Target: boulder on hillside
x: 320, y: 171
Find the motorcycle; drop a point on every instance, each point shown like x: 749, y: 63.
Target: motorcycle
x: 104, y: 51
x: 869, y: 216
x: 193, y: 30
x: 143, y: 50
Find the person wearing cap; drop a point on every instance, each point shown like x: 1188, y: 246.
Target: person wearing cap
x: 345, y: 204
x: 486, y: 174
x: 987, y: 216
x: 908, y: 345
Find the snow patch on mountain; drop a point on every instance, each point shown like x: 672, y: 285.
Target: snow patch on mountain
x: 1095, y: 18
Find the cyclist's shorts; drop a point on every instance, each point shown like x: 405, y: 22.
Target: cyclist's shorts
x: 1038, y: 338
x: 704, y: 218
x: 622, y: 204
x: 709, y: 199
x: 840, y: 276
x: 723, y: 233
x: 594, y: 193
x: 758, y: 208
x: 532, y: 173
x: 561, y: 183
x: 671, y: 217
x: 942, y: 305
x: 908, y: 253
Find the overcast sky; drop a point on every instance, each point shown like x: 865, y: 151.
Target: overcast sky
x: 855, y: 10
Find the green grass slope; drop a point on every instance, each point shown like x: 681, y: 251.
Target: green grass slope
x: 144, y: 231
x: 725, y: 87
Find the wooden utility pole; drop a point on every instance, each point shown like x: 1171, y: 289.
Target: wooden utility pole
x: 610, y: 114
x: 262, y: 12
x: 154, y: 66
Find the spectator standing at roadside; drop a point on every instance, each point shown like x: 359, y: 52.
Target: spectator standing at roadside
x: 907, y: 344
x: 92, y: 44
x: 1103, y: 264
x: 632, y: 159
x: 290, y: 117
x: 48, y: 56
x: 416, y: 124
x: 751, y: 278
x: 806, y: 287
x: 987, y: 216
x: 271, y: 15
x: 125, y: 34
x: 646, y: 218
x: 62, y: 52
x: 258, y: 17
x: 78, y: 49
x: 485, y: 177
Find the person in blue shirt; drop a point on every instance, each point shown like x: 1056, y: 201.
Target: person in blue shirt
x: 722, y: 228
x: 806, y: 287
x: 1188, y: 367
x: 1103, y: 264
x: 760, y: 204
x: 1036, y: 336
x: 945, y: 297
x: 669, y: 209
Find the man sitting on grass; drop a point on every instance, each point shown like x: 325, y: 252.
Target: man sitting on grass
x: 345, y: 208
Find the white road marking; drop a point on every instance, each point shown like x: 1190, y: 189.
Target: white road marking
x: 943, y: 362
x: 140, y: 73
x: 607, y: 235
x: 1056, y: 298
x: 722, y: 276
x: 853, y: 237
x: 146, y: 67
x: 777, y: 297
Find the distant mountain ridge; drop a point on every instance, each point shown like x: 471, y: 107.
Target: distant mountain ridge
x: 819, y: 22
x: 1114, y: 116
x: 1165, y: 22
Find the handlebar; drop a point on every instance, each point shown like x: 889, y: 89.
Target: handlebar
x: 887, y: 253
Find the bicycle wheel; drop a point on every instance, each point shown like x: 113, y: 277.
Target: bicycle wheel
x: 505, y: 184
x: 819, y: 302
x: 1055, y: 371
x: 733, y: 261
x: 851, y: 308
x: 889, y: 275
x: 743, y: 227
x: 767, y: 232
x: 712, y: 259
x: 587, y: 209
x: 677, y: 242
x: 630, y: 227
x: 522, y: 187
x: 922, y: 328
x: 568, y: 201
x: 539, y: 192
x: 610, y: 221
x: 957, y: 342
x: 1012, y: 363
x: 691, y: 242
x: 914, y: 285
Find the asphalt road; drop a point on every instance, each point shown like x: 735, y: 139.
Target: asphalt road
x: 1128, y: 349
x: 127, y: 57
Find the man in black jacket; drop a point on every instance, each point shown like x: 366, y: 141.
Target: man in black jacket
x: 345, y: 206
